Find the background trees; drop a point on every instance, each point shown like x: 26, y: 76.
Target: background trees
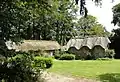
x: 115, y: 40
x: 115, y: 37
x: 37, y: 20
x: 89, y: 27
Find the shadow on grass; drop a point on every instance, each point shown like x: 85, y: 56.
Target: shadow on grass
x: 110, y: 77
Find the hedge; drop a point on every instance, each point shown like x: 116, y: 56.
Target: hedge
x: 43, y: 62
x: 67, y: 57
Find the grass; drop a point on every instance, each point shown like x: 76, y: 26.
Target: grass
x: 106, y: 71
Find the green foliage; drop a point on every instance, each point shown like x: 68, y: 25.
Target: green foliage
x: 67, y: 57
x: 78, y: 57
x: 98, y: 30
x: 116, y: 14
x: 57, y: 56
x: 19, y: 68
x: 109, y: 53
x: 63, y: 21
x: 87, y: 22
x: 42, y: 62
x: 103, y: 58
x: 23, y: 67
x: 110, y: 77
x: 39, y: 20
x: 88, y: 57
x: 89, y: 27
x: 115, y: 40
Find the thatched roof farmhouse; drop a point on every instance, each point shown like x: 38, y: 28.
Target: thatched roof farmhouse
x: 95, y: 46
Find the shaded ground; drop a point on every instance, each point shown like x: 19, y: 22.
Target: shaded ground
x: 110, y: 77
x: 50, y: 77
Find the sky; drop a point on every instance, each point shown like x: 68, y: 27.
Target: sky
x: 104, y: 14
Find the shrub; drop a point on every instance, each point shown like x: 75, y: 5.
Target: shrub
x: 87, y: 57
x: 19, y: 68
x: 104, y: 58
x: 43, y: 62
x: 109, y: 53
x: 77, y: 57
x: 57, y: 56
x: 67, y: 57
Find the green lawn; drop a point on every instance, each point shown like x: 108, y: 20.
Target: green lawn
x: 106, y: 71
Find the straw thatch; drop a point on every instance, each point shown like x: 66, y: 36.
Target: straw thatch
x: 89, y: 42
x: 38, y: 45
x: 31, y: 45
x: 95, y: 46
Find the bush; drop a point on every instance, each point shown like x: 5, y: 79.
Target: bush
x: 104, y: 58
x: 77, y: 57
x: 87, y: 57
x: 19, y: 68
x: 43, y: 62
x: 109, y: 53
x: 67, y: 57
x: 57, y: 56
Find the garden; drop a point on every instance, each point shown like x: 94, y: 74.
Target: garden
x: 45, y: 21
x: 104, y: 69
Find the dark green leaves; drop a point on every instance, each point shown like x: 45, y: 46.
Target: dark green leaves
x: 116, y: 15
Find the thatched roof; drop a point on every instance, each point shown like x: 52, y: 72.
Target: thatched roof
x: 38, y: 45
x: 89, y: 42
x: 31, y: 45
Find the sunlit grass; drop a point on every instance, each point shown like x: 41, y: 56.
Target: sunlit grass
x: 95, y: 69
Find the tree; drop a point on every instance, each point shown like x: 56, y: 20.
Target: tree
x: 83, y: 9
x: 115, y: 37
x: 16, y: 18
x: 34, y: 19
x: 116, y: 14
x: 98, y: 30
x: 63, y: 21
x: 115, y: 40
x: 39, y: 20
x: 52, y: 23
x: 88, y: 26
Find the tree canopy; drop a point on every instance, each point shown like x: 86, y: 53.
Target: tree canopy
x: 116, y: 14
x: 36, y: 20
x: 89, y: 27
x: 115, y: 37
